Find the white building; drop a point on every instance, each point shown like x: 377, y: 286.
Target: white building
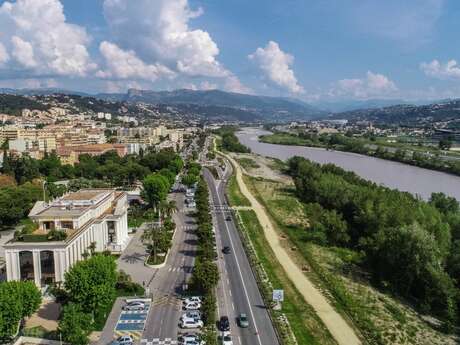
x: 88, y: 216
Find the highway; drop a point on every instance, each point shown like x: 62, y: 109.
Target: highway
x: 237, y: 290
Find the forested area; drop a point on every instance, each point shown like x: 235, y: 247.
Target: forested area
x: 20, y: 184
x: 230, y: 141
x: 410, y: 247
x: 13, y: 105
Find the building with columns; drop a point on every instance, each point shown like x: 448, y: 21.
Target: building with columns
x: 67, y: 229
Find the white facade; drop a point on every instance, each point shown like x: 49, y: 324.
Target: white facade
x: 88, y: 216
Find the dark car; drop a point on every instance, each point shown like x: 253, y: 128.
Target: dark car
x: 224, y: 323
x: 228, y: 218
x: 226, y: 250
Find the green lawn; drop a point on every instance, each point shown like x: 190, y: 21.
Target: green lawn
x: 305, y: 324
x: 235, y: 197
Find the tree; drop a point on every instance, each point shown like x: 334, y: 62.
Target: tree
x: 91, y: 283
x: 445, y: 144
x: 444, y: 203
x: 17, y: 300
x: 205, y: 275
x: 155, y: 189
x: 75, y: 325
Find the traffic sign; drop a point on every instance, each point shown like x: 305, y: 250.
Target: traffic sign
x: 278, y: 295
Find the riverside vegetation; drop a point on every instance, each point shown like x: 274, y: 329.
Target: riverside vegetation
x: 412, y: 155
x: 374, y: 268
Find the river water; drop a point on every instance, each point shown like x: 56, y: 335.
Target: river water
x: 417, y: 181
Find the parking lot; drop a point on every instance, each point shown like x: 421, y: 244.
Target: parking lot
x: 132, y: 322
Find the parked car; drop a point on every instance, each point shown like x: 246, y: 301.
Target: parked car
x: 226, y: 250
x: 226, y: 338
x: 192, y: 299
x: 190, y: 323
x: 190, y: 339
x: 137, y: 305
x: 224, y: 323
x: 192, y: 306
x: 123, y: 340
x: 243, y: 320
x: 192, y: 314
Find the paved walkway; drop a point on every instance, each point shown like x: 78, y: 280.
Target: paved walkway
x: 340, y: 330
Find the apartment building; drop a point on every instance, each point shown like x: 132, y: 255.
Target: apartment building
x: 86, y: 217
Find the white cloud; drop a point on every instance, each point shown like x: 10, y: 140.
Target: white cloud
x: 159, y: 32
x: 23, y: 52
x: 121, y: 64
x: 276, y: 64
x: 41, y: 40
x: 373, y: 85
x: 4, y: 56
x: 435, y: 69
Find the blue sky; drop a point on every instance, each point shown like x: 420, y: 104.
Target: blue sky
x: 315, y: 50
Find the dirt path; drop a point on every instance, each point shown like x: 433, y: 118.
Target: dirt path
x: 340, y: 330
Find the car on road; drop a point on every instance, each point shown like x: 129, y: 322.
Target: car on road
x: 134, y: 306
x: 243, y: 320
x: 190, y: 323
x: 226, y: 338
x: 224, y: 323
x: 226, y: 250
x: 192, y: 306
x: 228, y: 218
x: 123, y: 340
x: 190, y: 339
x: 192, y: 299
x: 192, y: 314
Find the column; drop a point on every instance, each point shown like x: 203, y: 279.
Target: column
x: 37, y: 267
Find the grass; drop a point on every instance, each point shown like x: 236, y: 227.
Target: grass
x: 235, y: 197
x: 305, y: 324
x: 381, y: 318
x: 40, y: 332
x: 248, y: 163
x: 156, y: 260
x: 284, y: 139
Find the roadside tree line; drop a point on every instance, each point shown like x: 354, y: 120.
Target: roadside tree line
x: 409, y: 246
x: 205, y: 274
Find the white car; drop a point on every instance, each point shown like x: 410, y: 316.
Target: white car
x: 190, y: 323
x: 134, y: 306
x: 190, y: 339
x: 191, y: 299
x: 192, y: 306
x: 227, y: 339
x: 123, y: 340
x: 192, y: 314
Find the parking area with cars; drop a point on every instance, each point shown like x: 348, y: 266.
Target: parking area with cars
x: 131, y: 322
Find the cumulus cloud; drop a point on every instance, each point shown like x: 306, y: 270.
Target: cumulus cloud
x: 121, y: 64
x: 435, y: 69
x: 276, y: 65
x: 159, y: 32
x: 39, y: 39
x: 373, y: 85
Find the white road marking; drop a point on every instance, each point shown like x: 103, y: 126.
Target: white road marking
x: 241, y: 274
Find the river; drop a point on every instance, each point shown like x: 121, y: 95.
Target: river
x: 403, y: 177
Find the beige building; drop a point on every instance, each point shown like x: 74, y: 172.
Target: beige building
x: 86, y: 217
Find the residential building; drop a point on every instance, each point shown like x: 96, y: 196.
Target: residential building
x: 86, y: 217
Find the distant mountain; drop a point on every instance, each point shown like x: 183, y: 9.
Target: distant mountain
x: 405, y: 114
x: 228, y: 105
x: 263, y: 107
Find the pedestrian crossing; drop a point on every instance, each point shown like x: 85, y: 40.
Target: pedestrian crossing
x: 157, y: 341
x: 175, y: 269
x: 136, y: 335
x: 167, y: 300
